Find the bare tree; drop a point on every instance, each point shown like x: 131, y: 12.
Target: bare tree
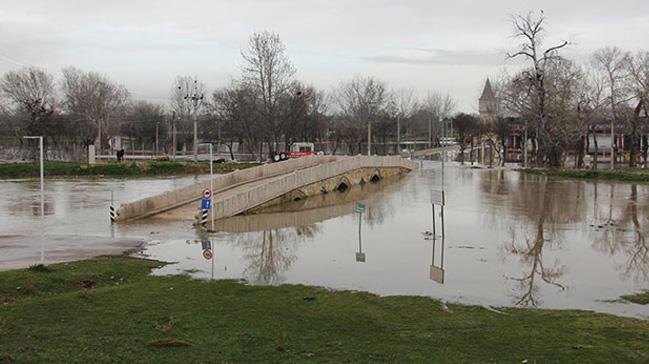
x: 405, y: 103
x: 530, y: 29
x: 638, y: 68
x: 437, y: 107
x: 95, y: 97
x: 590, y: 104
x: 359, y: 101
x: 31, y: 90
x: 612, y: 61
x: 269, y: 73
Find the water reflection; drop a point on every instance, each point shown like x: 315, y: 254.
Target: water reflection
x: 512, y: 239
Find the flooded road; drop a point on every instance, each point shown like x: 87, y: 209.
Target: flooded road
x: 510, y: 239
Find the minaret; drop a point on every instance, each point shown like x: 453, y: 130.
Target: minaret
x: 487, y: 105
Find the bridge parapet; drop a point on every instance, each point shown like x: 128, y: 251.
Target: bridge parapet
x: 257, y: 195
x: 282, y: 178
x: 153, y: 205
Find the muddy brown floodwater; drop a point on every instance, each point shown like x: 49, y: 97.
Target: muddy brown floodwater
x: 510, y: 239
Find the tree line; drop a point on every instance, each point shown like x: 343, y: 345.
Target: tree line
x: 554, y: 105
x: 265, y: 105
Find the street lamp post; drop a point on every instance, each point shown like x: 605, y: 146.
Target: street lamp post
x: 157, y: 127
x: 40, y: 147
x: 369, y: 130
x: 211, y: 184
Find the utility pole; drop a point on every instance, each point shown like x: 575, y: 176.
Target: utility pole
x: 369, y: 137
x: 157, y: 127
x: 369, y: 130
x: 612, y: 144
x: 194, y: 97
x: 430, y: 132
x: 42, y: 175
x: 173, y: 135
x: 398, y: 134
x: 525, y: 147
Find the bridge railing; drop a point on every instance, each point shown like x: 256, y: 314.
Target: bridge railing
x: 169, y: 200
x: 257, y: 195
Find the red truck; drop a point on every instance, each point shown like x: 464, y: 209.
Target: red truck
x: 297, y: 150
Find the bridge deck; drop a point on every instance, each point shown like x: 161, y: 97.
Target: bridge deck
x: 242, y: 190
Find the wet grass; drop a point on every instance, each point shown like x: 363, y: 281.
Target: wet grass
x: 115, y: 169
x: 639, y: 298
x: 130, y: 316
x: 624, y: 175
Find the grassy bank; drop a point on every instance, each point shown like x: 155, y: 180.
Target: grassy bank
x: 124, y: 169
x: 111, y: 310
x: 639, y: 298
x: 626, y: 175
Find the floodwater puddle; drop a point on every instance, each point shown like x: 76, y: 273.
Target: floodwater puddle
x: 507, y: 239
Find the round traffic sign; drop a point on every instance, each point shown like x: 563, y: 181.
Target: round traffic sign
x: 207, y: 254
x: 207, y: 193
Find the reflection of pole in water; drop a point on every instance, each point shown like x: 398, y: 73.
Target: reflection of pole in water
x: 360, y: 256
x: 437, y: 272
x: 213, y: 254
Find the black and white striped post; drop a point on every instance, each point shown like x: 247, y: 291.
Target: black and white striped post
x: 113, y: 214
x: 204, y: 214
x: 111, y: 209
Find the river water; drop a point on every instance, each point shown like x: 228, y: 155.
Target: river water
x: 509, y: 239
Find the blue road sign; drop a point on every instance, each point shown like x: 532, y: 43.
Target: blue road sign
x: 206, y: 204
x: 360, y: 208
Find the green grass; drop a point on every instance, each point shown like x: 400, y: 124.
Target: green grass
x: 639, y: 298
x: 625, y: 175
x: 126, y: 315
x: 124, y: 169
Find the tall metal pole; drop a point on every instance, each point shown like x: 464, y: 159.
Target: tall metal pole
x: 195, y: 137
x: 173, y: 136
x: 525, y: 148
x: 42, y: 175
x: 398, y: 134
x: 212, y: 188
x: 157, y: 126
x: 430, y: 132
x: 369, y: 137
x: 612, y: 145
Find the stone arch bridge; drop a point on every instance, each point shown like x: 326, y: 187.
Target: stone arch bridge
x: 263, y: 186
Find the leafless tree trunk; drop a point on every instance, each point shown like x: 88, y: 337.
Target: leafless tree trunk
x: 531, y: 29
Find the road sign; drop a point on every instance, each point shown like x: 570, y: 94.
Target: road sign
x: 437, y: 274
x: 206, y: 244
x: 437, y: 197
x: 206, y: 204
x: 360, y: 257
x: 360, y: 208
x: 207, y: 194
x: 207, y: 254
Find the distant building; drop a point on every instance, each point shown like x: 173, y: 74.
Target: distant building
x: 487, y: 105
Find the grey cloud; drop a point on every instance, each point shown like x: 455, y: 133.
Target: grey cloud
x: 427, y: 56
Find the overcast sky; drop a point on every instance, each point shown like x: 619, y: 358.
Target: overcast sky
x: 448, y: 46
